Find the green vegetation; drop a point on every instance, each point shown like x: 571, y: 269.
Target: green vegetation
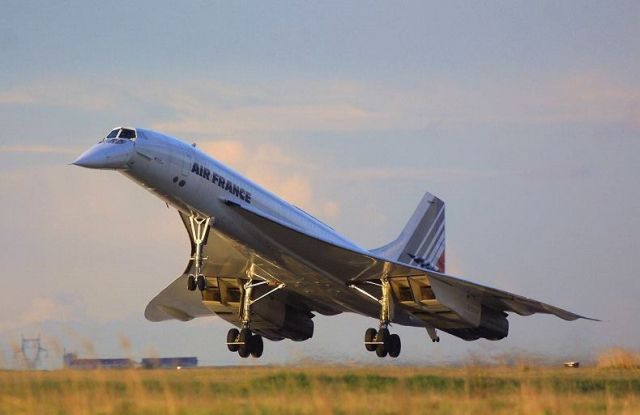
x: 324, y: 390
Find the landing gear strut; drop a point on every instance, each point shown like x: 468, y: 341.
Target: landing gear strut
x: 381, y: 341
x: 200, y: 232
x: 433, y: 334
x: 244, y: 341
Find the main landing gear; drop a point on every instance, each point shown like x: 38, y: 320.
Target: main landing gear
x: 200, y: 230
x: 381, y: 341
x: 244, y: 341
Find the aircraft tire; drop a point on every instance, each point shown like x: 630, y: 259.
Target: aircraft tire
x: 202, y: 282
x: 232, y: 336
x: 257, y: 345
x: 191, y: 283
x: 383, y: 336
x: 395, y: 345
x: 369, y: 336
x: 245, y: 337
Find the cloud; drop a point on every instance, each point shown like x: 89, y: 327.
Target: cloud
x: 40, y: 310
x: 280, y: 171
x: 61, y: 216
x: 61, y: 93
x: 40, y: 149
x: 434, y: 174
x: 230, y: 152
x: 589, y: 97
x: 211, y: 119
x: 44, y: 309
x: 208, y: 108
x: 346, y: 107
x: 325, y: 106
x: 331, y: 209
x: 565, y: 99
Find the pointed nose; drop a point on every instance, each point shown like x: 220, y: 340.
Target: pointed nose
x: 107, y: 156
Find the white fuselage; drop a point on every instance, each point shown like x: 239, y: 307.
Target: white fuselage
x: 194, y: 182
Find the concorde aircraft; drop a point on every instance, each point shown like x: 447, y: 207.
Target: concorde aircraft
x: 267, y: 267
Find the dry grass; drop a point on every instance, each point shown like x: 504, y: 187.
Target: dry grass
x: 323, y: 390
x: 618, y: 358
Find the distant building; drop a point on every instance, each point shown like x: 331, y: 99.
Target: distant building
x: 71, y: 361
x: 169, y: 362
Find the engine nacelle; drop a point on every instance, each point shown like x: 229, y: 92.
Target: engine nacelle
x: 493, y: 326
x: 298, y: 325
x: 276, y: 320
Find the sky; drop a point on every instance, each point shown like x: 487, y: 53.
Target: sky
x: 523, y: 116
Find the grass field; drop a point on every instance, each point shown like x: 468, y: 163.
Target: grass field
x: 323, y: 390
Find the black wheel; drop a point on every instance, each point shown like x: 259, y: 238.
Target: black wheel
x: 381, y: 351
x: 243, y: 352
x: 202, y: 282
x: 369, y: 336
x: 257, y: 346
x: 383, y: 336
x: 245, y: 337
x: 191, y: 283
x: 395, y: 345
x: 232, y: 336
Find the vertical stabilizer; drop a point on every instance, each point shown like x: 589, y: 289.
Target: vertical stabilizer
x: 422, y: 241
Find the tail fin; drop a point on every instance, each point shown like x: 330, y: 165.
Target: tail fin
x: 422, y: 241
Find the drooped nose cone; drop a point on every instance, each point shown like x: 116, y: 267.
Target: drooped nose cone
x: 114, y: 155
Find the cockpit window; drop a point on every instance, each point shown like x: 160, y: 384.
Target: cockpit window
x: 127, y: 133
x: 122, y: 134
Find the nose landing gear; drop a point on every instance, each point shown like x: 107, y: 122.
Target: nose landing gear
x: 200, y: 232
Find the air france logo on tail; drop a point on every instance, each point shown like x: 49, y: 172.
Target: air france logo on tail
x: 222, y: 182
